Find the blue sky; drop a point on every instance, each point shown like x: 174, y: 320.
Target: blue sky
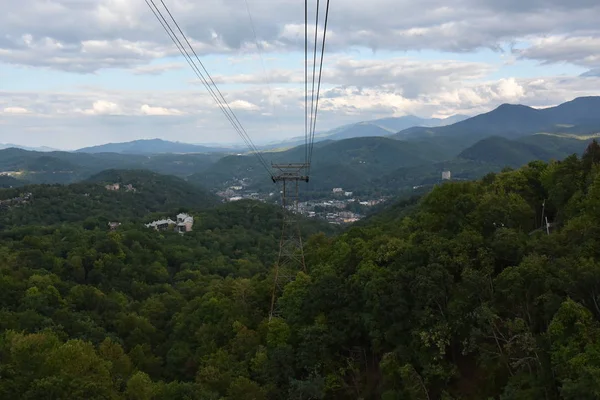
x: 74, y: 74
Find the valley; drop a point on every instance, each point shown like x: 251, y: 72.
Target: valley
x: 85, y: 281
x: 373, y: 168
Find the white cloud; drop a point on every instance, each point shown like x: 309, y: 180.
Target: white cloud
x: 578, y: 50
x: 86, y: 36
x: 195, y: 118
x: 16, y: 110
x: 148, y: 110
x: 156, y: 69
x: 103, y: 107
x: 90, y: 36
x: 243, y: 105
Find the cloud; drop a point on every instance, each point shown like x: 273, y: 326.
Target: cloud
x: 156, y: 69
x: 86, y: 36
x: 103, y: 107
x: 243, y: 105
x: 579, y: 50
x: 410, y: 76
x: 90, y: 36
x: 16, y: 110
x: 592, y: 72
x: 148, y: 110
x: 195, y: 118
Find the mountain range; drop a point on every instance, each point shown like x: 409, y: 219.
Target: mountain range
x: 16, y: 146
x: 580, y: 116
x: 510, y: 135
x: 150, y: 146
x: 377, y: 127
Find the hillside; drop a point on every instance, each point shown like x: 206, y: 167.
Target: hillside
x: 349, y: 163
x: 459, y: 294
x: 150, y: 146
x: 66, y: 167
x: 513, y: 121
x: 56, y: 204
x: 381, y: 165
x: 9, y: 181
x: 515, y: 153
x: 502, y: 151
x: 487, y: 155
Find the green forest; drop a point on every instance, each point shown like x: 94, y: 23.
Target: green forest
x: 462, y: 293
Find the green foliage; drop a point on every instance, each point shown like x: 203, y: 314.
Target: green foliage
x: 453, y: 295
x: 55, y: 204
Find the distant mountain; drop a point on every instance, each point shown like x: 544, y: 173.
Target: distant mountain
x: 150, y: 146
x: 350, y: 163
x: 515, y: 153
x: 386, y: 126
x: 377, y: 127
x: 16, y: 146
x: 578, y: 117
x: 501, y: 151
x: 487, y: 155
x: 67, y: 167
x: 362, y: 129
x: 396, y: 124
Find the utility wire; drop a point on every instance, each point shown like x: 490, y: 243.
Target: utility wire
x: 221, y: 102
x: 312, y: 99
x: 319, y: 84
x: 216, y: 87
x: 306, y: 132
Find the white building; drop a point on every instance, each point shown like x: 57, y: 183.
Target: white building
x: 338, y: 190
x: 446, y: 175
x: 161, y: 224
x: 184, y: 223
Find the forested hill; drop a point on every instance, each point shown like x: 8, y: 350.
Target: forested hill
x: 92, y: 201
x: 462, y: 296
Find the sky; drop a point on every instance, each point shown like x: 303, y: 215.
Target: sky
x: 76, y: 73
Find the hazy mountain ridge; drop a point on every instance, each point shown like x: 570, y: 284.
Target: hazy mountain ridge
x: 29, y: 148
x: 577, y: 116
x: 346, y: 163
x: 67, y: 167
x: 495, y: 140
x: 376, y: 127
x: 151, y: 146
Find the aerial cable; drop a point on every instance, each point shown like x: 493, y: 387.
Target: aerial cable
x: 216, y: 87
x: 306, y: 131
x: 262, y: 61
x: 319, y: 84
x: 198, y: 73
x: 312, y: 100
x: 229, y: 115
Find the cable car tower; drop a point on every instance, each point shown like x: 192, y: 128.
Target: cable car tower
x: 291, y: 253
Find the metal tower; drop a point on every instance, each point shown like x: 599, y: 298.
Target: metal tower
x: 291, y: 253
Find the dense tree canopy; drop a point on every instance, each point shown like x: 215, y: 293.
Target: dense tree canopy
x: 464, y: 293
